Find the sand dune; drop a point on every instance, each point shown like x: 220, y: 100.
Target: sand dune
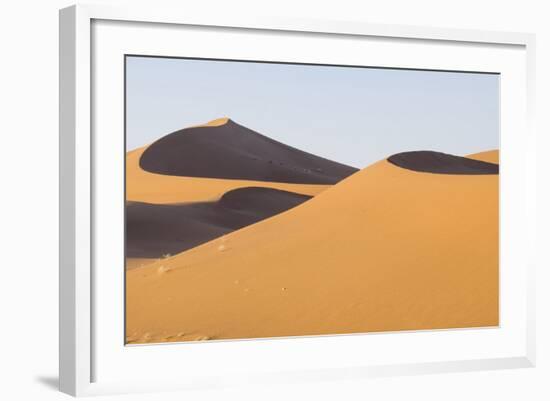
x: 225, y: 149
x: 441, y: 163
x: 386, y: 249
x: 490, y: 156
x: 154, y: 231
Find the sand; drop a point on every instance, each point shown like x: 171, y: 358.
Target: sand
x: 385, y: 249
x: 214, y: 123
x: 491, y: 156
x: 132, y: 263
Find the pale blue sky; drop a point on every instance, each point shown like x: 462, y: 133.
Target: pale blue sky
x: 351, y: 115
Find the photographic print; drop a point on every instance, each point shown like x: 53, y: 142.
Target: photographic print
x: 269, y: 199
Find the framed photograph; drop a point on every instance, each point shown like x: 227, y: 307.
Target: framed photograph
x: 277, y: 200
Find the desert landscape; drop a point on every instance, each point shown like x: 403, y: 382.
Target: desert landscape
x: 232, y: 235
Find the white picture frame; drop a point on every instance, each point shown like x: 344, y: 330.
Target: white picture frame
x: 78, y: 155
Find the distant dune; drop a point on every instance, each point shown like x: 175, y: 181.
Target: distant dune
x: 387, y: 248
x: 154, y: 231
x: 227, y: 150
x: 442, y: 163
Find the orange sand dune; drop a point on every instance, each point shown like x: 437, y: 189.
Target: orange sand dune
x: 490, y: 156
x: 143, y: 186
x: 385, y: 249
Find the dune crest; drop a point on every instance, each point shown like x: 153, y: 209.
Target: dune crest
x: 214, y: 123
x: 385, y: 249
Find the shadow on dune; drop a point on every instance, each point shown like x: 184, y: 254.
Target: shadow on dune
x: 442, y: 163
x: 156, y: 230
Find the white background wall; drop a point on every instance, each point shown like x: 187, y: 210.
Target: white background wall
x: 28, y: 212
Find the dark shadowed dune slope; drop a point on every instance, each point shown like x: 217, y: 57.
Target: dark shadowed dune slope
x: 442, y: 163
x: 155, y: 230
x: 232, y: 151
